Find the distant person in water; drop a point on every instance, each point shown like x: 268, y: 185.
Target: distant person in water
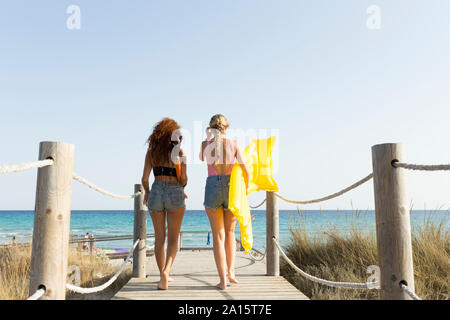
x: 220, y: 154
x: 13, y: 241
x: 166, y: 199
x: 92, y: 241
x: 85, y: 243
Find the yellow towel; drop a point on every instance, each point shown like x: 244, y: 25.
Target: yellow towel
x: 258, y: 158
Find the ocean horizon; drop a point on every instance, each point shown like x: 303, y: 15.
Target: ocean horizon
x: 19, y: 223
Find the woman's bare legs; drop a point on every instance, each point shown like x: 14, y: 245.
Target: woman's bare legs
x: 215, y: 217
x: 174, y: 219
x: 159, y: 225
x: 230, y: 243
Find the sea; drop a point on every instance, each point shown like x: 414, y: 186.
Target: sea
x: 115, y: 223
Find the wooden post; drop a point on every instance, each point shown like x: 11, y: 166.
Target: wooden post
x: 272, y: 229
x: 91, y: 244
x: 140, y: 232
x: 181, y: 241
x: 392, y: 222
x: 50, y: 244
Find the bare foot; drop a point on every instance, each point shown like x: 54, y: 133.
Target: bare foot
x: 163, y: 283
x: 221, y: 286
x: 170, y: 279
x: 232, y: 278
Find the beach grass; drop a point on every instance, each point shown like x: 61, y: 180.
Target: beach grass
x: 337, y: 256
x: 94, y: 270
x: 14, y: 271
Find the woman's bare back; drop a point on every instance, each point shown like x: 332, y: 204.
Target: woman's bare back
x: 219, y: 155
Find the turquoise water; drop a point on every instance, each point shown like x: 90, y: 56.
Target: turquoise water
x: 114, y: 223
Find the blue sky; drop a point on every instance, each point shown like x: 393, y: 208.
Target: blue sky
x: 310, y: 69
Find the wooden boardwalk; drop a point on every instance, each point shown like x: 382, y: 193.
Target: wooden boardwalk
x: 195, y: 276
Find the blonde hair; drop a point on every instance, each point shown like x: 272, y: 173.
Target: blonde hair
x: 219, y: 122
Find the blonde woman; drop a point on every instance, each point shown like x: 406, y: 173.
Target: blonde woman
x: 220, y: 154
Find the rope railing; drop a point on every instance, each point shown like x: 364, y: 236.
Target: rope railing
x: 252, y: 252
x: 334, y: 195
x: 81, y: 239
x: 439, y: 167
x: 100, y: 190
x: 106, y: 284
x: 380, y: 154
x: 39, y: 293
x: 348, y: 285
x: 259, y: 205
x: 409, y: 292
x: 25, y: 166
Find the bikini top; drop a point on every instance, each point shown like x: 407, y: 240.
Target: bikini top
x: 165, y: 171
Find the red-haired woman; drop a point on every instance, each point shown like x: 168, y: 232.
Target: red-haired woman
x: 166, y: 198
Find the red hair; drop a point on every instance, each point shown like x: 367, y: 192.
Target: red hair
x: 160, y: 141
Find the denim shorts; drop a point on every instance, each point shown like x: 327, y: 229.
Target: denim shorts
x: 216, y: 191
x: 166, y: 195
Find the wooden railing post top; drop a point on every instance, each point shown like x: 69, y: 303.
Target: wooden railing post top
x: 52, y: 150
x: 387, y: 145
x: 57, y: 142
x: 385, y: 155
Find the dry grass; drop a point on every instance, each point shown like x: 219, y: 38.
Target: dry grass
x: 332, y: 255
x: 14, y: 270
x: 95, y: 270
